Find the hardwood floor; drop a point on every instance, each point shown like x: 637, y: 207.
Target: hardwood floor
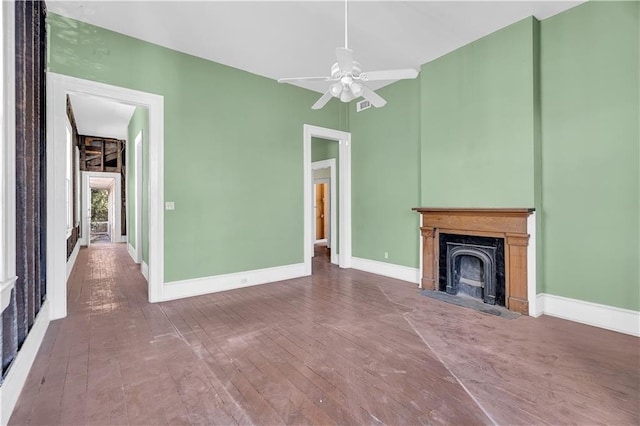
x: 340, y: 347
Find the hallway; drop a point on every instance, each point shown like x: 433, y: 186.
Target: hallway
x: 341, y: 347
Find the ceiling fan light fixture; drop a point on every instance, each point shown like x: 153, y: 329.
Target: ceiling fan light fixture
x: 336, y: 89
x: 356, y: 89
x: 346, y: 96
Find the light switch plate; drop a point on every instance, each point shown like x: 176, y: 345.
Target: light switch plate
x: 169, y: 205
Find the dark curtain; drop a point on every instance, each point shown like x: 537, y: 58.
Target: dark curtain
x: 30, y: 288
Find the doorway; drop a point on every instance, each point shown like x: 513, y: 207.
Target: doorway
x: 97, y: 228
x: 321, y: 207
x: 58, y: 87
x: 324, y: 173
x: 343, y: 228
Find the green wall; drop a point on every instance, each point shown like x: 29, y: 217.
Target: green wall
x: 233, y: 147
x: 590, y: 133
x: 139, y: 122
x: 385, y: 155
x: 477, y: 129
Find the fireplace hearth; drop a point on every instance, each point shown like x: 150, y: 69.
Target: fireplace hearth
x: 478, y: 253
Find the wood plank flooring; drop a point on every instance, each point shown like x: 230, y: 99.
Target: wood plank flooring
x: 340, y: 347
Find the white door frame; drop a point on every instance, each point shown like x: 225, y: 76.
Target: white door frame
x: 58, y: 86
x: 344, y: 219
x: 114, y: 218
x: 331, y: 240
x: 137, y: 194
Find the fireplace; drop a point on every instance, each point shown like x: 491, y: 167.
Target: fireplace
x: 479, y: 253
x: 472, y: 266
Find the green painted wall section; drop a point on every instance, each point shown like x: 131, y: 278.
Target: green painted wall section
x: 139, y: 122
x: 477, y: 126
x: 385, y: 176
x: 233, y: 147
x: 590, y: 132
x: 324, y: 149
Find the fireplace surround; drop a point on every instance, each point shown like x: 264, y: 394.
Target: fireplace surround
x: 507, y: 225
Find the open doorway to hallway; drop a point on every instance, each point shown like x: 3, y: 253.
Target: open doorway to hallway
x: 322, y: 148
x: 110, y: 158
x: 151, y: 106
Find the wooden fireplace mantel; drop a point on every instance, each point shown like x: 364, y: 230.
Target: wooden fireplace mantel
x: 510, y: 224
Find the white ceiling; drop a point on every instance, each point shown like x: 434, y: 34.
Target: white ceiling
x: 279, y: 39
x: 100, y: 182
x: 101, y: 117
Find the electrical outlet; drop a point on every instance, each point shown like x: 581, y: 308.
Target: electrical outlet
x: 169, y: 205
x: 386, y: 255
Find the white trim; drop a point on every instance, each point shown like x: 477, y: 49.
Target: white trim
x: 333, y: 205
x: 137, y: 193
x: 144, y: 270
x: 603, y: 316
x: 532, y: 266
x: 132, y: 252
x: 72, y: 258
x: 58, y: 86
x: 19, y: 369
x: 344, y: 219
x: 398, y: 272
x: 7, y: 152
x: 214, y: 284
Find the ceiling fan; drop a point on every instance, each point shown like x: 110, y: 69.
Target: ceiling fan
x: 348, y: 79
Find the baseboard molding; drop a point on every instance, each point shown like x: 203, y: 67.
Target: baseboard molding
x: 72, y: 259
x: 132, y: 252
x: 19, y: 370
x: 603, y: 316
x: 398, y: 272
x: 195, y: 287
x: 144, y: 268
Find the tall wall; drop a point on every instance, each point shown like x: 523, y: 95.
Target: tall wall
x: 591, y: 138
x: 477, y: 128
x: 385, y: 155
x: 233, y: 147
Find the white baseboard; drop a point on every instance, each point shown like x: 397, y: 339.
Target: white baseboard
x: 19, y: 370
x: 187, y: 288
x: 132, y: 252
x: 72, y: 258
x: 398, y: 272
x: 144, y: 268
x: 603, y: 316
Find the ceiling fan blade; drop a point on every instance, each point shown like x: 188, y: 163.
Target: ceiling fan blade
x: 375, y: 99
x: 323, y: 100
x: 345, y: 59
x: 389, y: 75
x: 288, y: 80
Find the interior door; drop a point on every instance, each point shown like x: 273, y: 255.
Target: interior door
x: 320, y: 211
